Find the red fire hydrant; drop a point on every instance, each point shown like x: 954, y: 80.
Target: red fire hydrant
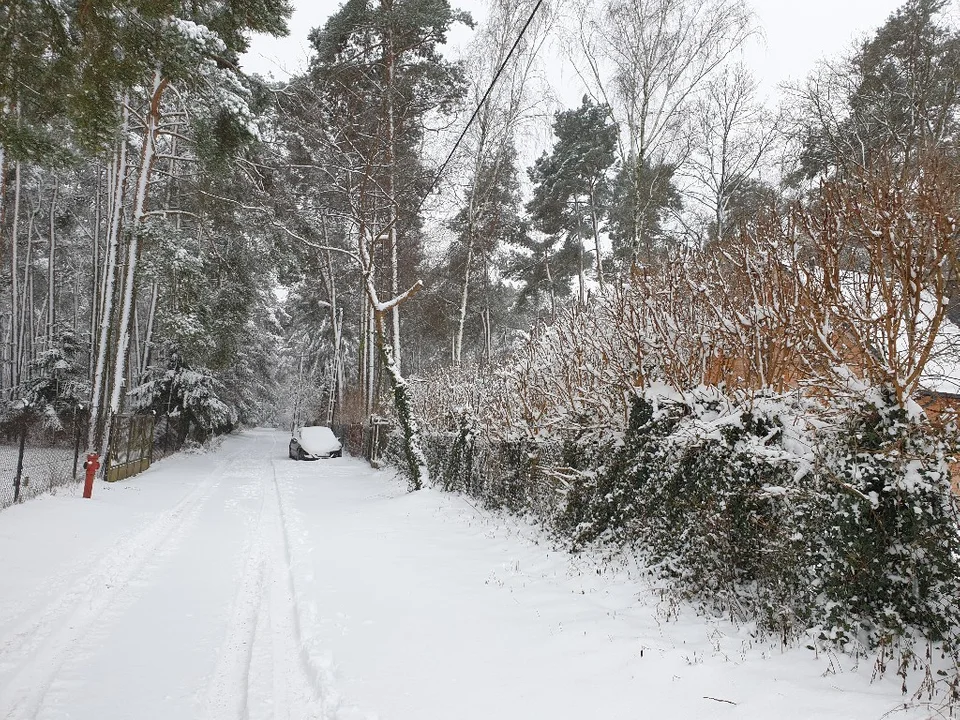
x: 91, y: 465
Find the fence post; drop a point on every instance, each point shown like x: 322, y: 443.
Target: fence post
x: 131, y: 430
x: 16, y: 482
x: 76, y: 444
x: 151, y: 434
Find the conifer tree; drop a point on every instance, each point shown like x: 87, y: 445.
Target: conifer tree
x: 484, y: 227
x: 379, y: 72
x: 571, y: 187
x: 899, y: 95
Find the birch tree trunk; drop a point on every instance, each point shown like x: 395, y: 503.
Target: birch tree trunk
x: 487, y: 335
x: 595, y: 226
x: 462, y: 319
x: 3, y: 217
x: 413, y: 453
x: 14, y: 279
x: 51, y: 267
x: 147, y: 157
x: 117, y: 192
x: 341, y: 379
x: 3, y: 183
x: 362, y: 348
x: 30, y: 323
x: 148, y: 336
x: 26, y: 305
x: 581, y: 276
x: 371, y: 344
x: 336, y: 321
x: 95, y: 293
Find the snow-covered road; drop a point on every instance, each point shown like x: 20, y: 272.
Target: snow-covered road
x: 241, y: 584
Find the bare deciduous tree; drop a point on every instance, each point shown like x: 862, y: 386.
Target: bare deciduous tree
x: 648, y: 59
x: 491, y: 140
x: 731, y: 135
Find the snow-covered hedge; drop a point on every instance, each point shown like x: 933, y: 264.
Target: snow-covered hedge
x: 744, y: 415
x: 835, y: 522
x: 881, y: 528
x: 766, y: 508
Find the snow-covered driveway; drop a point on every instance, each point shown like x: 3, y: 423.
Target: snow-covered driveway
x: 241, y: 584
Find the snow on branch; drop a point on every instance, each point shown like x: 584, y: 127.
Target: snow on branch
x: 399, y: 299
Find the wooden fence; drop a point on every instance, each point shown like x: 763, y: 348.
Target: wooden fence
x: 367, y: 440
x: 131, y: 447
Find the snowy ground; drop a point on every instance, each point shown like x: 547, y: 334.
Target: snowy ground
x: 241, y: 584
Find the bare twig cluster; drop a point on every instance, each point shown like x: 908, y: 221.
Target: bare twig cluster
x: 827, y: 297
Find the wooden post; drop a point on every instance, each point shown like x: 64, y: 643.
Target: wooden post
x: 16, y: 482
x: 76, y: 443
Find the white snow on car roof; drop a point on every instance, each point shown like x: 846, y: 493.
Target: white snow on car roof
x: 318, y: 439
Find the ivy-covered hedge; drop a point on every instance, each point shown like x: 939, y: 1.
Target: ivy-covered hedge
x: 882, y: 528
x: 840, y: 523
x: 519, y: 475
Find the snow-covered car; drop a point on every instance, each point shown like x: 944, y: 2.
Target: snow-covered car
x: 315, y: 442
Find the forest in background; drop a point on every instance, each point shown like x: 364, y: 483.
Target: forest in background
x: 179, y: 233
x: 695, y: 316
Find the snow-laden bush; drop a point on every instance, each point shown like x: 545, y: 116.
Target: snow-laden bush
x: 188, y: 396
x: 520, y: 475
x: 882, y: 531
x: 454, y: 468
x: 698, y: 483
x: 565, y: 378
x: 767, y: 508
x: 57, y: 389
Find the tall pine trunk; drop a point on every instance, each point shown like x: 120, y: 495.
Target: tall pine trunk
x: 117, y: 192
x: 389, y: 62
x: 14, y: 280
x: 128, y: 297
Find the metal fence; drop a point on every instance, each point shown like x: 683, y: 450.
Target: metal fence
x: 35, y: 459
x: 168, y: 438
x: 131, y: 446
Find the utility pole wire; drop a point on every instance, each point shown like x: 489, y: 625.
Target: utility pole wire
x: 476, y: 111
x: 480, y: 105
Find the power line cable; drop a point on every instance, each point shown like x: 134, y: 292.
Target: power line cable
x: 476, y: 111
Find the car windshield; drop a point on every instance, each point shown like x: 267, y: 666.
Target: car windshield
x: 319, y: 439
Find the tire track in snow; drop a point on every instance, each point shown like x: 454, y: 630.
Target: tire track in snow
x: 294, y: 678
x: 42, y: 644
x: 316, y: 665
x: 266, y: 599
x: 92, y: 570
x: 227, y: 690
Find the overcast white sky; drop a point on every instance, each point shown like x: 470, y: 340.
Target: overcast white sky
x: 798, y: 33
